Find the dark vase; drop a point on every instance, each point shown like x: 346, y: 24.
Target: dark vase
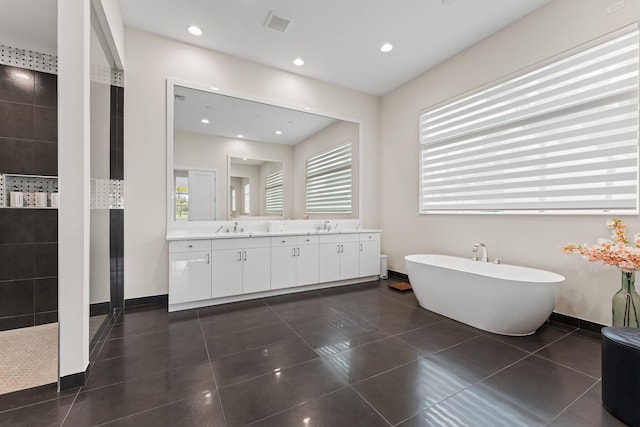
x: 626, y: 303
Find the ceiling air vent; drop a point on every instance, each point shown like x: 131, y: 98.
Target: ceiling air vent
x: 180, y: 98
x: 276, y: 22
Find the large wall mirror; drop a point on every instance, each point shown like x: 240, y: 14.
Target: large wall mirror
x: 235, y: 158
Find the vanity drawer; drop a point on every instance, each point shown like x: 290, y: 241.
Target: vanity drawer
x: 177, y: 246
x: 365, y: 237
x: 283, y: 241
x: 241, y: 243
x: 307, y: 240
x: 338, y: 238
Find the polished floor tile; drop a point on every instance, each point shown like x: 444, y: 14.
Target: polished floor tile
x: 401, y: 393
x: 262, y: 360
x: 359, y: 355
x: 439, y: 336
x: 202, y: 410
x: 341, y: 408
x: 370, y: 359
x: 252, y: 400
x: 540, y: 386
x: 474, y: 407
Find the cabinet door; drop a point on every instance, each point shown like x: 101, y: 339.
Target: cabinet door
x: 226, y: 270
x: 350, y: 260
x: 370, y: 258
x: 308, y: 265
x: 190, y: 276
x: 283, y: 267
x: 329, y: 262
x: 256, y: 270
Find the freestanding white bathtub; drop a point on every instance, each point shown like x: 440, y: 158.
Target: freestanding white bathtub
x: 499, y: 298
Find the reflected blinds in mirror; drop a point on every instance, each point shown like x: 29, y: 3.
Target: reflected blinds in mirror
x: 329, y: 181
x: 274, y: 186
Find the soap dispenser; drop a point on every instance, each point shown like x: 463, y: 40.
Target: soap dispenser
x: 41, y: 198
x: 55, y: 198
x: 16, y: 198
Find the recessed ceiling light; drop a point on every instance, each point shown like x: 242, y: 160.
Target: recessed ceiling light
x: 240, y: 135
x: 194, y: 30
x: 278, y: 132
x: 214, y: 88
x: 307, y: 108
x: 298, y: 62
x: 205, y: 121
x: 387, y: 47
x: 244, y: 159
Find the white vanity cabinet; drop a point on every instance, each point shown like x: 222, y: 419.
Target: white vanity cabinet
x: 240, y: 266
x: 294, y: 261
x: 339, y: 257
x: 189, y: 270
x: 369, y: 254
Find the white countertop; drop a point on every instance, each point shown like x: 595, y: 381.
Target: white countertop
x: 208, y: 234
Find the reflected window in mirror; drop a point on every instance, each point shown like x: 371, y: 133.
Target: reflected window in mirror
x: 274, y: 191
x: 329, y: 181
x: 182, y: 196
x: 246, y: 209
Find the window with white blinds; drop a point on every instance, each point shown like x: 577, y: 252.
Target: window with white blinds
x: 274, y: 195
x: 561, y: 138
x: 246, y: 207
x: 329, y: 181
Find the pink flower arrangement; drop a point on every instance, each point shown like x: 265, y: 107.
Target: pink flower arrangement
x: 617, y: 252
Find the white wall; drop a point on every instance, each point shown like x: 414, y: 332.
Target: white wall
x: 150, y: 59
x: 529, y: 240
x: 330, y: 137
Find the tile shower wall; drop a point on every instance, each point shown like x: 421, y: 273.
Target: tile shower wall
x: 28, y: 237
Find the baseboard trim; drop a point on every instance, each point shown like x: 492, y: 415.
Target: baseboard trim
x: 398, y: 274
x: 157, y: 300
x: 576, y: 323
x: 72, y: 381
x: 99, y: 308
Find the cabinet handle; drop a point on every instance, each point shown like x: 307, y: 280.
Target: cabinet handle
x: 190, y: 246
x: 239, y: 255
x: 245, y: 255
x: 208, y: 258
x: 298, y: 252
x: 284, y: 241
x: 293, y: 251
x: 360, y: 247
x: 337, y: 248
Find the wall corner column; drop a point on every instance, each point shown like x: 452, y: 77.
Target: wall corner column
x: 74, y: 26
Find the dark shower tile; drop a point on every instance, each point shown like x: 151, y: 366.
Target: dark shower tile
x: 203, y: 409
x: 341, y: 408
x: 17, y: 120
x: 16, y: 322
x: 46, y: 90
x: 46, y: 259
x: 16, y: 226
x: 45, y: 158
x: 370, y: 359
x: 46, y: 225
x: 45, y: 124
x: 44, y: 318
x: 46, y: 294
x: 16, y: 261
x: 252, y: 400
x: 17, y: 156
x: 540, y: 386
x: 16, y: 298
x: 16, y: 84
x: 578, y: 352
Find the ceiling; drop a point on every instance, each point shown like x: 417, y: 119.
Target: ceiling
x: 339, y: 40
x: 230, y: 117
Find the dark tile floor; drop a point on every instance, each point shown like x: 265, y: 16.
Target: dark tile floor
x: 361, y: 355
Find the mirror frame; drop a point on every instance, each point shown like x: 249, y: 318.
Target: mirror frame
x: 211, y: 88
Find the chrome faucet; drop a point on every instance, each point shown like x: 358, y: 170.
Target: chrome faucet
x: 235, y: 227
x: 485, y: 252
x: 327, y: 225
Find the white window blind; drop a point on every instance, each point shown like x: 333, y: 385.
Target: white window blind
x: 274, y: 185
x: 246, y: 208
x: 562, y: 138
x: 329, y: 181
